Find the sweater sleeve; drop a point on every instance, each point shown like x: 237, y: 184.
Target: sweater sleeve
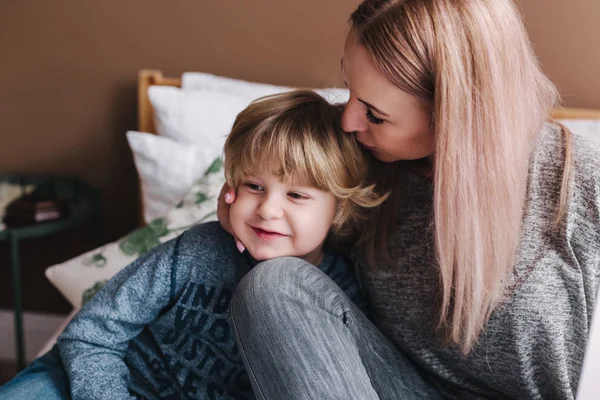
x: 94, y: 343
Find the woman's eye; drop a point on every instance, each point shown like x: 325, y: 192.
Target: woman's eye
x: 253, y: 186
x: 297, y: 196
x: 373, y: 119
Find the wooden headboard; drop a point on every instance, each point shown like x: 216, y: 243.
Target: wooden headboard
x: 575, y: 113
x: 149, y: 77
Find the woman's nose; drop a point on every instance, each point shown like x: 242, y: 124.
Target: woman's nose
x: 353, y: 117
x: 270, y: 208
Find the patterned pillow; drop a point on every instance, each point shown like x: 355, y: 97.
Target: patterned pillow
x: 80, y: 278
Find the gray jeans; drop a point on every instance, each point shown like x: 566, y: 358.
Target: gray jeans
x: 301, y: 338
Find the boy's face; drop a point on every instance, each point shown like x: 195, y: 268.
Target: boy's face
x: 275, y: 219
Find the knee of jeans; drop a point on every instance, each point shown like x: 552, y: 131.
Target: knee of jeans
x: 272, y: 282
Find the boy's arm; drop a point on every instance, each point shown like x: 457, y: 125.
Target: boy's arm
x: 93, y: 345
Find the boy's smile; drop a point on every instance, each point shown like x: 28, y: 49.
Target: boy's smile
x: 268, y: 234
x: 276, y: 219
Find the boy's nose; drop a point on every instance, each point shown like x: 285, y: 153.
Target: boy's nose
x: 270, y: 208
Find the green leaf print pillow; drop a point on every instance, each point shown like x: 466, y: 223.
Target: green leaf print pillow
x: 80, y: 278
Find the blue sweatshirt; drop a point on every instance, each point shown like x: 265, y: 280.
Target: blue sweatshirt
x: 160, y: 328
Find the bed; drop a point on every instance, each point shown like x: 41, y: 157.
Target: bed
x: 182, y: 124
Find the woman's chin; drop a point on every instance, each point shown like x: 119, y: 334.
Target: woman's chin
x: 384, y: 157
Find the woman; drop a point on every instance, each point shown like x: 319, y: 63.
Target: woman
x: 482, y: 268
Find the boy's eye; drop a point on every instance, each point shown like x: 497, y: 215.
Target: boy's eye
x: 373, y: 119
x: 297, y: 196
x: 253, y: 186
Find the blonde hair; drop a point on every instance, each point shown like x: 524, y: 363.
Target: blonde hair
x: 298, y: 135
x: 472, y: 63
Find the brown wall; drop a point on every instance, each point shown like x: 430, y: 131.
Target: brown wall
x: 566, y: 37
x: 68, y: 73
x: 68, y: 69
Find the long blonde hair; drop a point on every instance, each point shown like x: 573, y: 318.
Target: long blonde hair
x: 298, y: 134
x: 472, y: 62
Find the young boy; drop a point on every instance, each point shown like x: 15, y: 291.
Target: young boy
x: 160, y: 328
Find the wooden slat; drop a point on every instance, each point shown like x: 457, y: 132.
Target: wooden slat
x: 147, y: 78
x: 575, y: 113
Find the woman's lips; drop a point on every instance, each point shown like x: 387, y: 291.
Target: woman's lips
x: 267, y: 235
x: 366, y: 146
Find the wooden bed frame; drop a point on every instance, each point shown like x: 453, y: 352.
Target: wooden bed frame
x: 149, y: 77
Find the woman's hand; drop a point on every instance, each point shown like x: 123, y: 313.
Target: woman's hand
x: 226, y: 198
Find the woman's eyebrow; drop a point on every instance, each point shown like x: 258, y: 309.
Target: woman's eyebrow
x: 371, y: 106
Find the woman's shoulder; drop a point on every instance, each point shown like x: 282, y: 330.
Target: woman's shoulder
x: 549, y: 156
x: 582, y: 213
x: 578, y: 238
x: 552, y: 141
x: 586, y: 165
x: 546, y: 175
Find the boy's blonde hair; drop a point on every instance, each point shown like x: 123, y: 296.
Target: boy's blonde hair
x: 298, y: 135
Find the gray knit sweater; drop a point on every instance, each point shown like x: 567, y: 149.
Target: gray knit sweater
x: 533, y: 345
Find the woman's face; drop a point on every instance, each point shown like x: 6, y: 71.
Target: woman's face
x: 391, y: 123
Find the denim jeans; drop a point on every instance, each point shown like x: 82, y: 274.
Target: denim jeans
x: 45, y: 378
x: 301, y: 338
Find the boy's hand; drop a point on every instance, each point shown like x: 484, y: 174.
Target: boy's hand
x: 226, y: 198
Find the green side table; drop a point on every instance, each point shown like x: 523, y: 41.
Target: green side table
x: 84, y: 207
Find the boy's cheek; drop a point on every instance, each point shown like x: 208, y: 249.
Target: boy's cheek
x: 236, y: 219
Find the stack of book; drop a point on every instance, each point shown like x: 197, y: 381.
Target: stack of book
x: 34, y: 208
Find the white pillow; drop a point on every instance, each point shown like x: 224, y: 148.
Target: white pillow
x: 205, y: 117
x: 214, y: 83
x: 251, y: 90
x: 167, y: 170
x: 81, y: 277
x: 197, y: 117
